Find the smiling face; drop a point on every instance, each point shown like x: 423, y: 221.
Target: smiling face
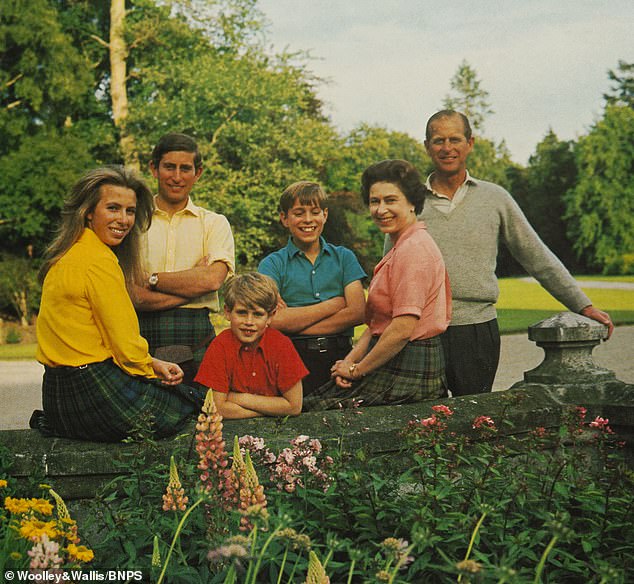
x: 176, y: 175
x: 390, y: 209
x: 247, y: 324
x: 305, y: 224
x: 448, y: 147
x: 114, y: 215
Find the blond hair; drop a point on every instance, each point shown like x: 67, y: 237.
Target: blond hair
x: 81, y: 202
x: 252, y: 289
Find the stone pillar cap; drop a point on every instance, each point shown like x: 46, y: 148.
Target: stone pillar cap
x: 567, y: 327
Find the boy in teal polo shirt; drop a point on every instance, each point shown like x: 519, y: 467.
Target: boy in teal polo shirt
x: 322, y: 297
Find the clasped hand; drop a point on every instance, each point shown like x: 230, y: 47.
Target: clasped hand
x: 168, y: 373
x: 340, y: 372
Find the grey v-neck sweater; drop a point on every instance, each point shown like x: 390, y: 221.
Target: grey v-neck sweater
x: 468, y: 238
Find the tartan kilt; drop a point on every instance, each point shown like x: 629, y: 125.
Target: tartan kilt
x: 178, y: 326
x: 101, y: 402
x: 416, y: 373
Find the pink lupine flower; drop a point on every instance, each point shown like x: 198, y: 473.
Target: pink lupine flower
x: 174, y: 498
x: 252, y: 500
x: 213, y: 462
x: 45, y: 555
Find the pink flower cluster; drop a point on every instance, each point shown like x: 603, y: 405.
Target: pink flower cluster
x: 601, y: 424
x: 432, y: 426
x: 293, y: 466
x: 484, y: 424
x: 45, y: 555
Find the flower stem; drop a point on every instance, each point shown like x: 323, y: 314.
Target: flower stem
x: 175, y: 539
x: 473, y: 536
x: 542, y: 560
x: 261, y: 555
x: 279, y: 577
x: 351, y: 571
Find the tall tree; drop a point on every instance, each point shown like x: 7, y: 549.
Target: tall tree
x: 623, y: 89
x: 468, y: 96
x: 600, y: 207
x: 44, y: 80
x: 45, y: 94
x: 551, y: 173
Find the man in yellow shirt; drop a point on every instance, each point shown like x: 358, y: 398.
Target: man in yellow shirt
x: 189, y: 252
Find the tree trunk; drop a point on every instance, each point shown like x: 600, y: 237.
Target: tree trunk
x: 118, y: 74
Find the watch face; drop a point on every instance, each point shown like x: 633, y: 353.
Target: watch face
x: 153, y: 280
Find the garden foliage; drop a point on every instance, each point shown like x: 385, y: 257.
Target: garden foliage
x: 554, y: 505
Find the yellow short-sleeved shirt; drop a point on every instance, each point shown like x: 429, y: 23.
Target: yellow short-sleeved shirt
x: 86, y: 314
x: 179, y: 242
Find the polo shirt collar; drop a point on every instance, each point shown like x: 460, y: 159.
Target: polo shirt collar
x: 469, y: 180
x: 293, y: 250
x: 263, y: 346
x: 190, y: 208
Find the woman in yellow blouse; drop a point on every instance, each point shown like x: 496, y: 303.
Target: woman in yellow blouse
x: 99, y: 378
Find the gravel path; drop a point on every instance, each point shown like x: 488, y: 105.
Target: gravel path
x: 20, y: 381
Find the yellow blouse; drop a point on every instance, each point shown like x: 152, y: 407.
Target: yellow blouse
x: 86, y: 315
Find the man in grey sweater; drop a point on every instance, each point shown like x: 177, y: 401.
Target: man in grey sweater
x: 468, y: 218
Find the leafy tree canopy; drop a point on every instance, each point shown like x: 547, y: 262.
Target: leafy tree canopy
x: 600, y: 207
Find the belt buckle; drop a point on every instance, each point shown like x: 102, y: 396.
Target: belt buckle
x: 322, y: 344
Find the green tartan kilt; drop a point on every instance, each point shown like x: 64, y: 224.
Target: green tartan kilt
x: 101, y: 402
x: 178, y: 326
x: 416, y: 373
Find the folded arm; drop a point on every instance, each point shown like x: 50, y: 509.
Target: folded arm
x: 343, y: 319
x: 287, y: 404
x: 231, y: 410
x: 194, y: 282
x: 297, y: 318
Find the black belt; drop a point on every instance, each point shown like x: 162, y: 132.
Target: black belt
x: 322, y: 344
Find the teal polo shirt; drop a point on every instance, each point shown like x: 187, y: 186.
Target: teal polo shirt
x: 302, y: 283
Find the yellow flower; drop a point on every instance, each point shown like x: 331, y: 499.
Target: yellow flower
x: 3, y: 483
x: 15, y: 555
x: 17, y: 506
x: 80, y: 552
x: 34, y: 529
x: 42, y: 506
x: 469, y: 566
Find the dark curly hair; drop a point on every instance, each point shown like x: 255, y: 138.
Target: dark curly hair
x: 399, y: 172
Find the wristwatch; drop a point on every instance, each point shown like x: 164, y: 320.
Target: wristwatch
x: 153, y: 281
x: 352, y: 369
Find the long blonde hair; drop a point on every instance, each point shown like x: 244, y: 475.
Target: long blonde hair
x: 81, y: 202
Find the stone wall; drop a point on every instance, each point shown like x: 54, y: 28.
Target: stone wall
x: 567, y: 377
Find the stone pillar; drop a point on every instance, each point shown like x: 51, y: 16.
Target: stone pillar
x: 568, y: 340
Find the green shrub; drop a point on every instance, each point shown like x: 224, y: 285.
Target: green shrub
x: 13, y: 336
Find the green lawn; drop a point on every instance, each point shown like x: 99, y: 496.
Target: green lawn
x: 15, y: 352
x: 521, y: 304
x: 524, y: 303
